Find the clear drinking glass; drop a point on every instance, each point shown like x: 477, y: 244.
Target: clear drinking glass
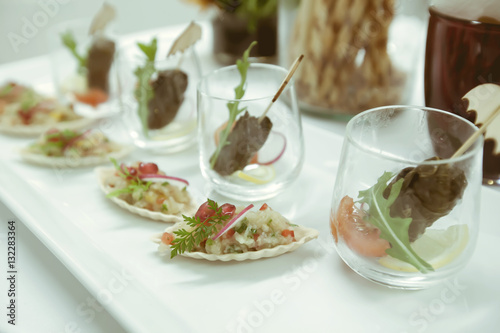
x: 94, y: 93
x: 414, y: 232
x: 178, y: 97
x: 278, y: 161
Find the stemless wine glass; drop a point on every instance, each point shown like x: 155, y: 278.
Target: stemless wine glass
x: 404, y: 213
x: 84, y: 69
x: 272, y: 162
x: 172, y: 88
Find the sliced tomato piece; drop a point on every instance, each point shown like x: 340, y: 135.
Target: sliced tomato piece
x: 228, y: 209
x: 229, y: 233
x: 359, y: 235
x: 92, y: 97
x: 204, y: 212
x: 167, y: 238
x: 148, y: 168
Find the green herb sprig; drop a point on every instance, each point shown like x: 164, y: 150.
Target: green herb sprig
x: 69, y: 41
x: 242, y: 65
x: 392, y: 229
x: 143, y: 92
x: 5, y: 90
x: 135, y: 185
x: 186, y: 241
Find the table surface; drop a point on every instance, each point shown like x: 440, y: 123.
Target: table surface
x: 50, y: 298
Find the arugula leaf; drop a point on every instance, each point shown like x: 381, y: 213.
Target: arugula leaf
x: 69, y: 41
x: 144, y: 92
x: 149, y: 50
x: 242, y: 65
x: 186, y: 241
x: 392, y: 229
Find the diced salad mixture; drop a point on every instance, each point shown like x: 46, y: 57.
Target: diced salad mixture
x: 229, y: 229
x: 143, y: 185
x: 21, y: 105
x: 68, y: 143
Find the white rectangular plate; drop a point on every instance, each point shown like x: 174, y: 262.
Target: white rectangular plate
x: 109, y: 251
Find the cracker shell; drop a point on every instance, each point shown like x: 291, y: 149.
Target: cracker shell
x: 103, y: 172
x: 302, y: 236
x: 72, y: 162
x: 34, y: 130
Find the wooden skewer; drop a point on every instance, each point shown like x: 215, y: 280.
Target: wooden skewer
x: 283, y: 85
x: 474, y: 136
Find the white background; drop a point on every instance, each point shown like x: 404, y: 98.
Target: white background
x: 133, y: 15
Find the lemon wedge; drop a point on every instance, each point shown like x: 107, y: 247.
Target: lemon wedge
x: 261, y: 175
x: 437, y: 247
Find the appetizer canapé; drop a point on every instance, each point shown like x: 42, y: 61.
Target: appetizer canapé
x: 73, y: 148
x: 25, y: 111
x: 227, y: 232
x: 145, y: 190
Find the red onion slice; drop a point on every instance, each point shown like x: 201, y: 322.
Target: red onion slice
x: 233, y: 221
x: 76, y: 138
x: 280, y: 154
x: 162, y: 178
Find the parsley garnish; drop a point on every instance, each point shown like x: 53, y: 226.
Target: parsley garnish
x: 69, y: 41
x: 164, y: 207
x: 135, y: 185
x: 186, y: 241
x: 242, y: 65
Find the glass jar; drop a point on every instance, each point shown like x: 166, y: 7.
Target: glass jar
x: 463, y: 51
x: 236, y: 26
x: 358, y: 54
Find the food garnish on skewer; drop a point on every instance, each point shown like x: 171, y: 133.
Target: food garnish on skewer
x: 240, y: 139
x: 143, y: 189
x: 226, y: 232
x: 160, y: 93
x: 91, y: 85
x: 391, y: 218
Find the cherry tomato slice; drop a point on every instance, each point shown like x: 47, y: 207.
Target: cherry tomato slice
x: 359, y: 236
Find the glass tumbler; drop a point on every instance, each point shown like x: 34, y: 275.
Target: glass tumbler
x: 404, y: 213
x: 243, y: 155
x: 167, y: 124
x: 84, y: 69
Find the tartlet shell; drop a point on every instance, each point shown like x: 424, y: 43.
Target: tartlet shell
x: 302, y: 236
x: 34, y: 130
x: 70, y: 162
x: 103, y: 172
